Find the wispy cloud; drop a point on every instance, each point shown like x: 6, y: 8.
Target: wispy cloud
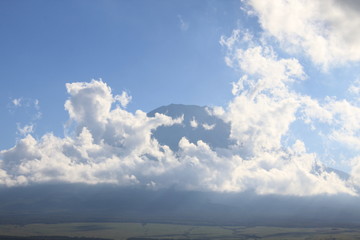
x: 208, y: 126
x: 16, y: 102
x: 184, y: 26
x: 25, y: 130
x: 28, y: 107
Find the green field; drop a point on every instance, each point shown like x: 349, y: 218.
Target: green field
x: 142, y: 231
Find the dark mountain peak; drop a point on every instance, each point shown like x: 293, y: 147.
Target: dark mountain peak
x: 198, y: 124
x: 177, y: 110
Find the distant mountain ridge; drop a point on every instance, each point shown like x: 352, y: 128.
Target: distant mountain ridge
x: 198, y: 124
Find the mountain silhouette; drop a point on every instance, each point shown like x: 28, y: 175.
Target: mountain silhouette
x: 206, y: 127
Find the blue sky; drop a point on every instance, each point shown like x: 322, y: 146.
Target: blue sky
x: 283, y: 74
x: 137, y: 46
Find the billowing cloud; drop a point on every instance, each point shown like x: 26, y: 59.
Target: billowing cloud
x: 263, y: 107
x: 107, y: 145
x: 110, y: 145
x: 265, y: 104
x: 262, y: 112
x: 327, y: 31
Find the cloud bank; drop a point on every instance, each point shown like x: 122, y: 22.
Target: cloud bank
x: 107, y: 144
x: 110, y: 145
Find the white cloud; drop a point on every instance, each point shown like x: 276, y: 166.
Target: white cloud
x: 229, y: 42
x: 17, y: 102
x: 314, y: 110
x: 208, y: 127
x: 341, y: 116
x: 111, y: 145
x: 238, y: 86
x: 327, y: 31
x: 261, y: 114
x: 263, y: 107
x: 124, y: 99
x: 193, y: 123
x: 347, y: 122
x: 108, y: 145
x: 289, y: 172
x: 89, y: 103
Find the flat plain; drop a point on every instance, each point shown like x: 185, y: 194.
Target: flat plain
x: 152, y: 231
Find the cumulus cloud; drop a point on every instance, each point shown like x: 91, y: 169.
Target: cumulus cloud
x: 124, y: 99
x: 327, y: 31
x: 265, y: 104
x: 261, y: 114
x: 108, y: 144
x: 111, y: 145
x: 263, y: 107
